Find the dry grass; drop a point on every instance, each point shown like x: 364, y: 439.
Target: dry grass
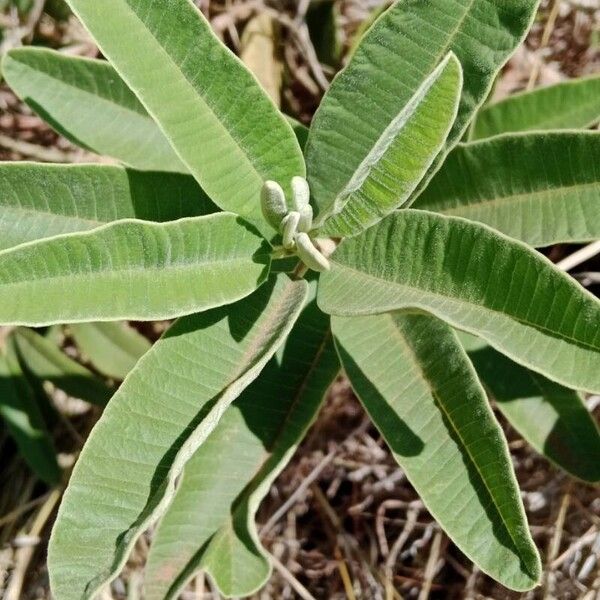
x: 341, y: 521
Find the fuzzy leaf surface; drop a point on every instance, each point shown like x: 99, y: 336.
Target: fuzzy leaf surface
x: 39, y: 200
x: 86, y: 101
x: 210, y: 524
x: 24, y: 420
x: 164, y: 411
x: 400, y: 157
x: 477, y: 280
x: 132, y: 270
x: 113, y: 348
x: 44, y: 359
x: 551, y: 418
x: 420, y: 390
x: 541, y: 188
x: 397, y: 53
x: 573, y: 104
x: 221, y: 123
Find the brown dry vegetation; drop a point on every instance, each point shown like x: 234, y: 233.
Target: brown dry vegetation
x: 341, y: 521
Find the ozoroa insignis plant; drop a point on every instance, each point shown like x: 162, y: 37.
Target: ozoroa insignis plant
x: 398, y: 244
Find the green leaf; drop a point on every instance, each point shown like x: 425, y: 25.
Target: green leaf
x: 166, y: 408
x: 541, y: 188
x: 113, y: 348
x: 132, y: 270
x: 477, y: 280
x: 24, y: 421
x: 47, y: 362
x: 39, y: 201
x: 551, y: 418
x: 210, y: 524
x: 419, y: 388
x: 571, y: 104
x: 211, y: 108
x: 398, y: 52
x: 396, y: 163
x: 87, y: 102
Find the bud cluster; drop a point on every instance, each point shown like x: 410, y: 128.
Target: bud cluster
x: 295, y: 224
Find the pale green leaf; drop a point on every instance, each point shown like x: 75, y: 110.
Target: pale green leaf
x: 568, y: 105
x: 39, y: 201
x: 476, y: 279
x: 48, y: 362
x: 550, y: 417
x: 166, y: 408
x: 87, y: 102
x: 24, y: 420
x: 400, y: 157
x: 541, y: 188
x: 211, y: 108
x: 419, y: 388
x: 210, y: 524
x: 132, y: 270
x: 113, y: 348
x: 398, y: 52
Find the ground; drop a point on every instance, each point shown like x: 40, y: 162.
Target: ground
x: 341, y: 521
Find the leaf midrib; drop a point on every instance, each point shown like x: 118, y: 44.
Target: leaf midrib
x: 512, y: 198
x: 536, y: 326
x: 430, y: 385
x: 195, y: 92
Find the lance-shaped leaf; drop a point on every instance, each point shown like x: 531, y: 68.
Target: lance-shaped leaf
x: 44, y: 359
x: 166, y: 408
x: 400, y: 157
x: 86, y: 101
x: 132, y: 270
x: 24, y: 420
x: 398, y: 52
x: 550, y: 417
x: 39, y: 201
x: 568, y: 105
x: 213, y: 111
x: 210, y: 524
x: 420, y: 390
x: 541, y: 188
x: 113, y: 348
x: 476, y: 279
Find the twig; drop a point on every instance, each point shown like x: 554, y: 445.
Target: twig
x: 34, y: 151
x: 430, y: 568
x: 580, y: 256
x: 554, y: 545
x: 543, y: 43
x: 23, y: 555
x: 411, y: 519
x: 23, y: 508
x: 296, y: 585
x: 300, y: 490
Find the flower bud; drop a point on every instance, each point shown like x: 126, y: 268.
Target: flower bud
x: 289, y: 228
x: 272, y: 202
x: 300, y: 194
x: 309, y: 255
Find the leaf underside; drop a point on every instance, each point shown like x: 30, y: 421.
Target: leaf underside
x: 86, y: 101
x: 210, y: 524
x: 420, y: 390
x: 113, y: 348
x: 395, y: 165
x: 24, y: 420
x: 46, y: 361
x: 163, y: 412
x: 132, y: 270
x: 39, y: 200
x: 477, y: 280
x: 394, y: 57
x: 541, y: 188
x: 572, y: 104
x: 211, y: 108
x: 550, y: 417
